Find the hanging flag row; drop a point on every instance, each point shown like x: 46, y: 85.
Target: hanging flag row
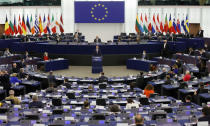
x: 30, y: 27
x: 156, y: 26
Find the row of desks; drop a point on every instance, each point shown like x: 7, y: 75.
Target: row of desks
x: 107, y: 49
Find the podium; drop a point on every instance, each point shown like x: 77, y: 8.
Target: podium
x: 97, y: 65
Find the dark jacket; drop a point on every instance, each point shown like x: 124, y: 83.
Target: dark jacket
x: 51, y: 80
x: 99, y: 40
x: 36, y: 104
x: 102, y: 79
x: 95, y: 53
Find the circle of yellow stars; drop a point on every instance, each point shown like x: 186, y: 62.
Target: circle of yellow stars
x: 96, y: 18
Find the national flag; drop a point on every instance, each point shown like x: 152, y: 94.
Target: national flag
x: 137, y: 25
x: 61, y: 24
x: 161, y: 27
x: 166, y: 24
x: 48, y: 24
x: 178, y: 27
x: 28, y: 25
x: 53, y: 25
x: 32, y: 25
x: 153, y: 30
x: 145, y: 24
x: 19, y: 26
x: 23, y: 26
x: 141, y: 23
x: 187, y: 24
x: 158, y: 24
x: 174, y: 27
x: 6, y: 28
x: 150, y: 25
x: 183, y: 26
x: 11, y: 27
x: 44, y: 25
x: 36, y: 25
x: 170, y: 25
x: 40, y: 25
x: 154, y: 24
x: 15, y: 28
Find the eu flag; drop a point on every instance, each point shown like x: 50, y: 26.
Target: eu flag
x: 99, y: 12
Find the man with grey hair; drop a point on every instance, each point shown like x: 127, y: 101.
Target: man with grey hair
x: 35, y: 102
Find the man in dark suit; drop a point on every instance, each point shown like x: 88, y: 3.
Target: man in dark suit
x: 206, y: 114
x: 165, y: 49
x: 97, y: 51
x: 97, y: 39
x: 200, y: 33
x: 22, y: 74
x: 51, y: 79
x: 22, y: 63
x: 187, y: 102
x: 58, y: 38
x: 66, y: 83
x: 35, y: 102
x: 15, y: 69
x: 140, y: 83
x: 5, y: 81
x: 102, y: 78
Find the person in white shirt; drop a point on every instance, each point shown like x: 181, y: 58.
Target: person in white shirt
x: 131, y: 104
x: 7, y: 52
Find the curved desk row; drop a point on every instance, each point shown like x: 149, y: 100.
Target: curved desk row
x: 87, y: 49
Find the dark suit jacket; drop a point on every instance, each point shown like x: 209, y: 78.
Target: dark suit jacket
x: 102, y: 79
x: 165, y: 50
x: 36, y: 104
x: 5, y: 81
x: 99, y: 40
x: 97, y: 53
x: 51, y: 80
x: 205, y: 118
x: 15, y: 70
x: 163, y: 75
x: 21, y: 75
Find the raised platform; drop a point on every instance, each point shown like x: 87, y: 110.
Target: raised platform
x: 113, y: 53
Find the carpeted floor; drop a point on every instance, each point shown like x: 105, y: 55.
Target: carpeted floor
x: 85, y: 71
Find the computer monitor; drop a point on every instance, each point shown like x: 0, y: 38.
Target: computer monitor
x: 56, y: 102
x: 101, y: 102
x: 156, y: 116
x: 71, y: 95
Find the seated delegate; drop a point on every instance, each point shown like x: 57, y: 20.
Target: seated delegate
x: 7, y: 52
x: 12, y: 97
x: 45, y: 57
x: 148, y: 90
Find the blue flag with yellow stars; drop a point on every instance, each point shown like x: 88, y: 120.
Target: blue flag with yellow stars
x: 99, y: 12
